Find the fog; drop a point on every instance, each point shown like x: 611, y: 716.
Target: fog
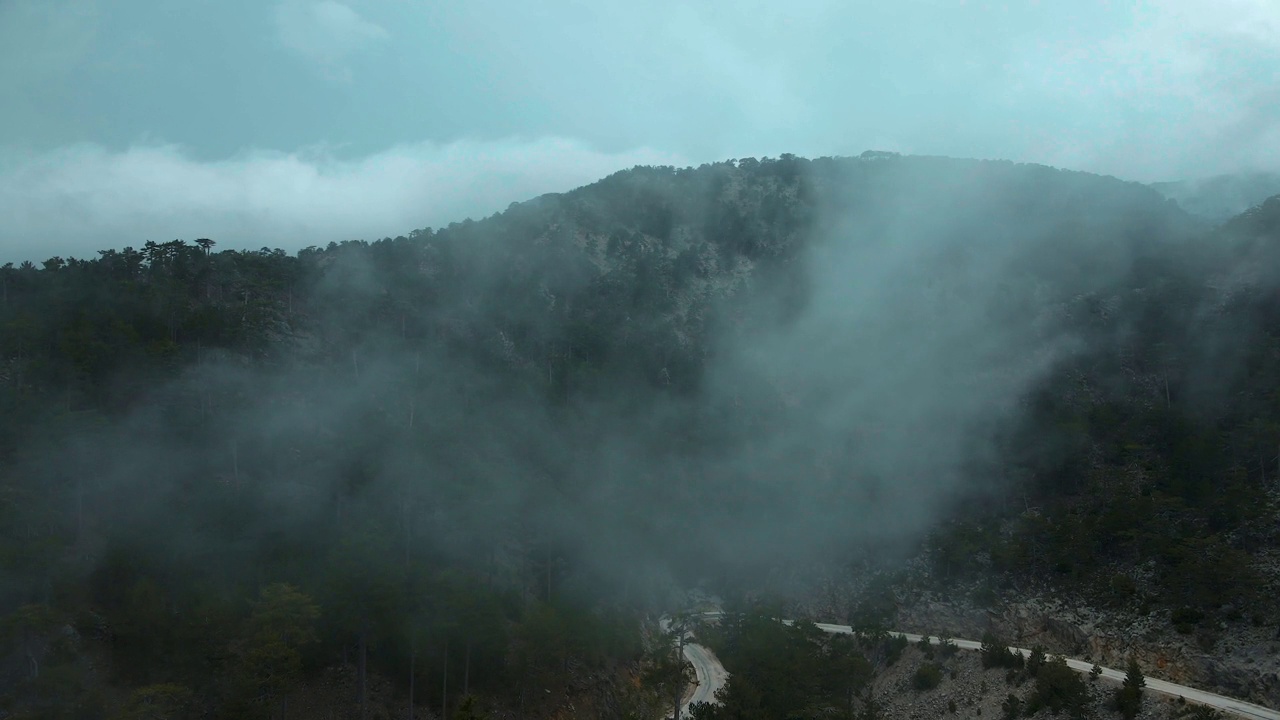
x: 498, y: 330
x: 78, y: 200
x: 837, y: 395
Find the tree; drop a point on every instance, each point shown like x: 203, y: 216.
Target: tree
x: 270, y: 655
x: 1129, y: 696
x: 30, y: 625
x: 846, y: 671
x: 668, y: 671
x: 996, y: 654
x: 1036, y: 660
x: 1058, y: 688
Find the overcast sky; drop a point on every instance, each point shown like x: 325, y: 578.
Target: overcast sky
x: 299, y: 122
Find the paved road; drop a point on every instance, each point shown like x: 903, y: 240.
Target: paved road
x: 707, y: 665
x: 711, y: 675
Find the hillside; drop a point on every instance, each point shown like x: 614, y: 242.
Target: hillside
x: 482, y: 454
x: 1219, y: 198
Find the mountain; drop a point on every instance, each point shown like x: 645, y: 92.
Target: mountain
x: 1221, y: 197
x: 509, y: 439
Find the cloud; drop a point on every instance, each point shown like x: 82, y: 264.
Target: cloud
x: 84, y: 198
x: 1189, y: 89
x: 326, y: 33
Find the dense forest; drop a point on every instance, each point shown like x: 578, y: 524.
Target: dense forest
x: 462, y: 468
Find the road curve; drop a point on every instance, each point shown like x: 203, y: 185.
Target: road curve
x: 712, y: 668
x: 710, y: 673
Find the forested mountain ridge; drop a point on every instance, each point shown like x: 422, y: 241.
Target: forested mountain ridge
x: 491, y: 447
x: 1219, y: 198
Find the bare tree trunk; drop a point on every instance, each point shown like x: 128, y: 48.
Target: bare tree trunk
x: 466, y: 672
x: 408, y: 533
x: 355, y: 363
x: 362, y: 680
x: 444, y: 685
x: 80, y: 518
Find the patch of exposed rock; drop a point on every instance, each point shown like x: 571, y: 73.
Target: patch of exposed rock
x: 1236, y: 659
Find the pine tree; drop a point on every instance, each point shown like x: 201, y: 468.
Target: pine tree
x: 1129, y: 696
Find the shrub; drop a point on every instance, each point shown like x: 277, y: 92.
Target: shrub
x: 1036, y: 661
x: 893, y: 648
x: 1012, y: 707
x: 1123, y: 586
x: 927, y: 677
x: 1058, y: 688
x: 1199, y: 712
x: 1186, y: 618
x: 995, y: 653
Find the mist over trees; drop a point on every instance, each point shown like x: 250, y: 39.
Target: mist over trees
x: 468, y: 461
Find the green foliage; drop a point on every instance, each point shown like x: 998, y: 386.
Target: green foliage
x: 1185, y: 619
x: 995, y: 653
x: 1200, y: 712
x: 1128, y: 698
x: 926, y: 647
x: 469, y: 709
x: 1012, y: 707
x: 1058, y: 688
x: 778, y: 670
x: 927, y: 677
x: 166, y: 701
x: 269, y: 657
x: 947, y: 647
x: 894, y: 645
x: 1035, y: 660
x: 202, y: 449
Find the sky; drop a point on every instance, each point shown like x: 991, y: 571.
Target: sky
x: 295, y: 123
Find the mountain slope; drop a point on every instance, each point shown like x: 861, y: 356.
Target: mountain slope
x: 789, y: 362
x: 1220, y: 198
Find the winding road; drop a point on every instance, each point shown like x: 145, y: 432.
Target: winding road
x: 712, y: 676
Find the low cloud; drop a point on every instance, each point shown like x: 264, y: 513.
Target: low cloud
x: 1189, y: 90
x: 326, y: 33
x: 81, y: 199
